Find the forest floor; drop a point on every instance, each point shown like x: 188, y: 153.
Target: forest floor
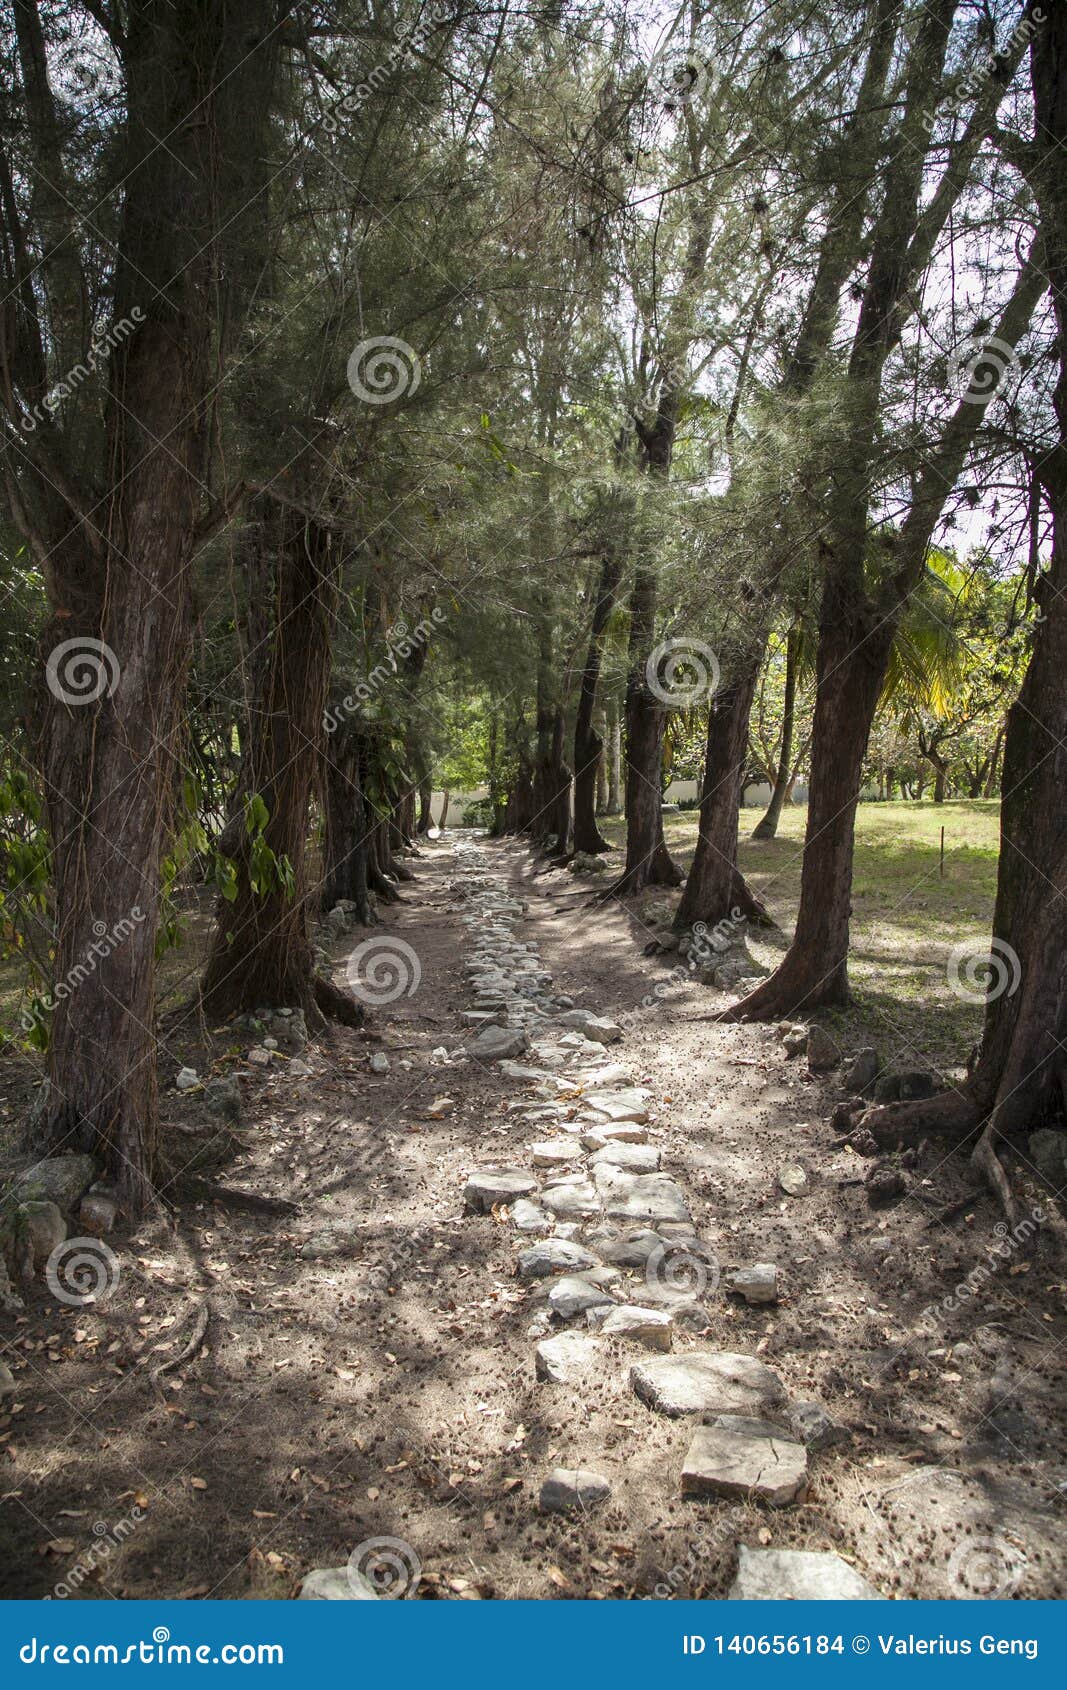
x: 367, y: 1365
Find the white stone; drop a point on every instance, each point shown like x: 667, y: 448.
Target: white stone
x: 573, y: 1487
x: 741, y: 1457
x: 566, y: 1358
x: 572, y: 1296
x: 797, y: 1575
x: 636, y: 1158
x: 554, y: 1255
x: 490, y: 1186
x: 756, y: 1284
x: 707, y: 1382
x: 652, y: 1327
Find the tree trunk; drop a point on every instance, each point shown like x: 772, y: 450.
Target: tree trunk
x: 648, y: 862
x: 425, y: 821
x: 588, y: 745
x: 768, y: 827
x: 558, y: 815
x: 119, y: 586
x: 1017, y: 1079
x: 715, y: 889
x: 261, y: 952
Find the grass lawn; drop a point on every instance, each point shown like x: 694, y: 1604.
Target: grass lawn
x: 906, y: 919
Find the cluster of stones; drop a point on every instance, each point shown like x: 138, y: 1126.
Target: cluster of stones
x: 55, y: 1199
x: 596, y: 1207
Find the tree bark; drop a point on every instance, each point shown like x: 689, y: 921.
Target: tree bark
x: 345, y: 844
x: 262, y: 953
x: 122, y: 575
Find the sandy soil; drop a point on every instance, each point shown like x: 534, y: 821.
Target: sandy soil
x: 389, y: 1390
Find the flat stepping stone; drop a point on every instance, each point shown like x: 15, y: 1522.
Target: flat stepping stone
x: 632, y: 1250
x: 595, y: 1027
x: 529, y: 1217
x: 797, y: 1575
x: 554, y: 1152
x: 490, y: 1186
x: 611, y: 1074
x: 572, y: 1296
x: 565, y: 1359
x: 554, y: 1255
x: 493, y: 1043
x: 707, y: 1382
x: 627, y: 1105
x: 573, y: 1487
x: 635, y: 1158
x: 654, y: 1328
x: 756, y: 1284
x: 572, y: 1200
x: 598, y: 1137
x: 741, y: 1457
x: 640, y: 1197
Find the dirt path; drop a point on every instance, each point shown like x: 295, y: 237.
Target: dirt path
x: 368, y: 1367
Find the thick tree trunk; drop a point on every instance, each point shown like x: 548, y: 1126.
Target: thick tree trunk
x: 767, y: 828
x: 119, y: 585
x: 588, y: 744
x: 261, y: 952
x: 424, y: 822
x: 558, y: 813
x: 715, y: 888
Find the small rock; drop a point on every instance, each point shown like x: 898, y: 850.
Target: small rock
x: 98, y: 1212
x: 529, y: 1217
x: 554, y: 1255
x: 632, y: 1250
x: 44, y: 1229
x: 793, y: 1180
x: 259, y: 1057
x: 752, y: 1459
x: 795, y: 1041
x: 810, y: 1423
x: 797, y: 1575
x: 490, y: 1186
x: 756, y: 1284
x: 654, y: 1328
x: 7, y: 1382
x: 493, y: 1044
x: 573, y: 1487
x: 822, y: 1051
x: 884, y: 1185
x: 905, y: 1087
x: 623, y: 1132
x: 186, y: 1079
x: 337, y: 1584
x: 269, y: 1043
x: 299, y: 1070
x: 223, y: 1097
x: 572, y: 1296
x: 595, y: 1027
x: 337, y: 921
x: 861, y: 1070
x: 379, y: 1062
x: 565, y: 1359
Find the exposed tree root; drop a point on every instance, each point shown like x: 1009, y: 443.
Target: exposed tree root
x: 984, y: 1160
x: 337, y: 1005
x: 777, y: 999
x: 951, y: 1114
x: 188, y: 1349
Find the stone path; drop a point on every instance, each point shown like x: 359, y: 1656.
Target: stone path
x: 615, y: 1258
